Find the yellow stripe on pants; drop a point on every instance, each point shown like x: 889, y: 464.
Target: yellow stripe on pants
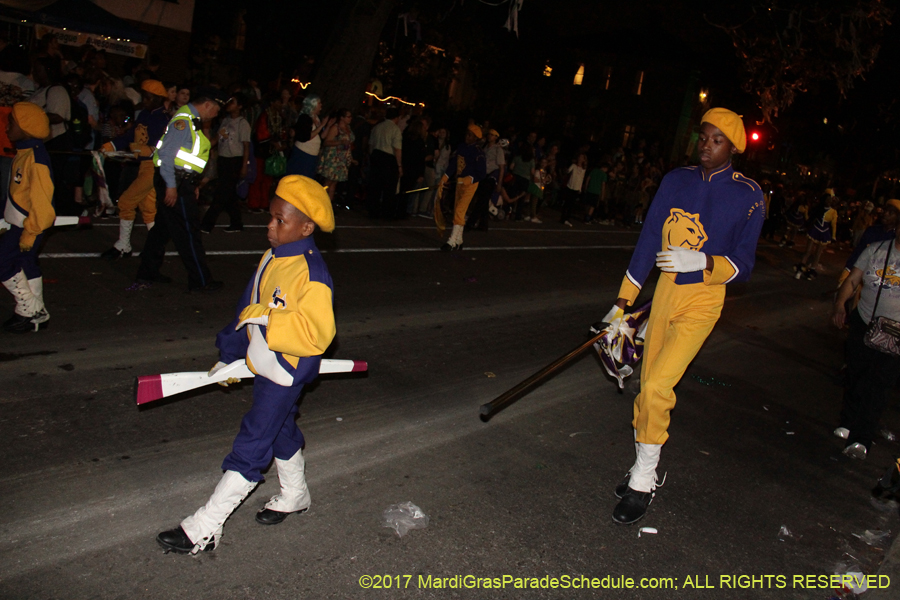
x: 464, y: 193
x: 139, y: 194
x: 681, y: 319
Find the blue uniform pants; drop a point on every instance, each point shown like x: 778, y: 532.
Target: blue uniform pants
x: 267, y: 430
x: 13, y: 260
x: 181, y: 224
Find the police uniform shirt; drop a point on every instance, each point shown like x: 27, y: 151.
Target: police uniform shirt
x: 177, y: 135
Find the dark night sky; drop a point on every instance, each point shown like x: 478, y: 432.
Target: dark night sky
x: 281, y: 32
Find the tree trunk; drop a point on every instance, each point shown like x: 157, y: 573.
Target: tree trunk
x: 346, y: 65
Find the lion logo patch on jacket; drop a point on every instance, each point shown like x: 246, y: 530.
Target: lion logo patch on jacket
x: 683, y: 230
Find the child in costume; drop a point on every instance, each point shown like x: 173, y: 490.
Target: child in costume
x: 468, y: 166
x: 140, y: 139
x: 284, y: 323
x: 821, y: 232
x: 29, y: 212
x: 796, y: 217
x: 706, y: 221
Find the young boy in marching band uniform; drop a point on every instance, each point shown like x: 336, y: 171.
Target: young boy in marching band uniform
x: 29, y: 211
x: 284, y: 323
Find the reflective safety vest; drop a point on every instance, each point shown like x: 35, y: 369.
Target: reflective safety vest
x: 192, y: 158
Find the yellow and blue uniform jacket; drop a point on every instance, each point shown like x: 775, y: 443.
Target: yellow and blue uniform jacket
x: 148, y: 128
x: 467, y: 161
x: 29, y: 204
x: 720, y: 215
x: 293, y: 283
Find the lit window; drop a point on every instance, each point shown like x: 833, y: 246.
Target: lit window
x: 579, y: 75
x: 638, y: 83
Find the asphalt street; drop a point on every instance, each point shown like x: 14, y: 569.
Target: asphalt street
x: 756, y: 485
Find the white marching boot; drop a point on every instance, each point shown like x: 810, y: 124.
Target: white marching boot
x: 641, y: 485
x: 623, y: 485
x: 294, y: 496
x: 36, y: 286
x: 28, y: 305
x: 123, y: 244
x: 204, y: 527
x: 455, y: 241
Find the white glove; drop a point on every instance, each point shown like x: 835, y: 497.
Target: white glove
x: 228, y: 381
x: 611, y: 321
x: 680, y: 260
x: 263, y: 320
x: 614, y: 313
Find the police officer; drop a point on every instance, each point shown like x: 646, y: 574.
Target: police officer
x: 180, y: 157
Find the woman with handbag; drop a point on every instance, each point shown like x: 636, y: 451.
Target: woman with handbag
x: 873, y: 344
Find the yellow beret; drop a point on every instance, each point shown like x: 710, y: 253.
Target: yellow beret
x: 729, y: 122
x: 32, y: 119
x: 895, y: 203
x: 476, y: 130
x: 154, y: 87
x: 309, y: 197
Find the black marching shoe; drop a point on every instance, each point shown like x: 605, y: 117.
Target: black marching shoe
x: 446, y: 247
x: 20, y: 324
x: 273, y: 517
x: 622, y: 488
x: 114, y: 254
x: 632, y: 507
x: 177, y: 541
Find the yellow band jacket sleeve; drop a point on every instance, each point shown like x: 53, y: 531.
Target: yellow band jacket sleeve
x: 30, y: 201
x: 293, y: 288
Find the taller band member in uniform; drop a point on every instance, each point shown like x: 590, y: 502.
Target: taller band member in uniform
x: 701, y: 232
x: 180, y: 157
x: 141, y: 139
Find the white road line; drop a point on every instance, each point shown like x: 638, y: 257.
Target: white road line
x: 356, y: 251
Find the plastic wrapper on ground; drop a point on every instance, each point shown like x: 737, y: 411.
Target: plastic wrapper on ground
x: 403, y: 517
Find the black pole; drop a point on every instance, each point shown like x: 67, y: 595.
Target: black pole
x: 508, y: 397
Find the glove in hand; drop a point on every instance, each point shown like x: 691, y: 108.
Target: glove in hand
x: 254, y: 314
x: 228, y: 381
x: 612, y: 319
x: 680, y: 260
